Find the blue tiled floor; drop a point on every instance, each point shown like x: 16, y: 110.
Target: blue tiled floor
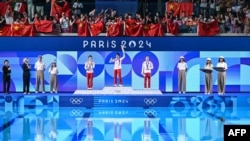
x: 201, y: 120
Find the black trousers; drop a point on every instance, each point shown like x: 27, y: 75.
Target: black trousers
x: 26, y: 84
x: 6, y: 84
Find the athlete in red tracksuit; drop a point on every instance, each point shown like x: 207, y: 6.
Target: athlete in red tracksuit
x: 147, y: 66
x: 118, y: 66
x: 89, y: 66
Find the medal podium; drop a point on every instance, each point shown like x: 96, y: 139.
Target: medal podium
x: 119, y: 91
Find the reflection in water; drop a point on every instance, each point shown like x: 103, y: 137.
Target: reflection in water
x: 89, y: 134
x: 6, y: 129
x: 117, y: 131
x: 69, y: 128
x: 147, y: 131
x: 26, y: 129
x: 39, y: 136
x: 181, y: 129
x: 53, y: 129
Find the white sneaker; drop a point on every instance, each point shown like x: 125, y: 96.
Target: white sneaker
x: 43, y: 92
x: 179, y: 92
x: 183, y: 92
x: 56, y: 92
x: 115, y: 85
x: 120, y: 85
x: 51, y: 92
x: 36, y: 92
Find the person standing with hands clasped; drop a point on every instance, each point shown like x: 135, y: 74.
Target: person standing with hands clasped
x: 6, y: 77
x: 53, y: 78
x: 40, y: 68
x: 89, y: 67
x: 26, y: 76
x: 222, y: 75
x: 118, y: 66
x: 208, y: 77
x: 182, y: 67
x: 147, y: 66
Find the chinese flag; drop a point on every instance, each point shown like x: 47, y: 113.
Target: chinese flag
x: 57, y: 9
x: 4, y: 6
x: 5, y: 30
x: 152, y: 30
x: 132, y: 29
x: 187, y: 7
x: 43, y: 26
x: 173, y: 6
x: 173, y: 28
x: 96, y: 28
x: 114, y: 30
x: 208, y: 29
x: 82, y: 28
x: 22, y: 30
x: 178, y: 8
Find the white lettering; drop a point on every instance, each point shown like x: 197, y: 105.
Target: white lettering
x: 231, y: 132
x: 243, y: 131
x: 123, y: 43
x: 148, y: 43
x: 141, y: 44
x: 93, y: 44
x: 113, y: 44
x: 85, y: 43
x: 235, y: 132
x: 101, y: 44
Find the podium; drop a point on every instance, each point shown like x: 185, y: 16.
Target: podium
x: 219, y: 69
x: 206, y: 70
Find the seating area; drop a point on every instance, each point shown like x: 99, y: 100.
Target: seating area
x: 53, y: 17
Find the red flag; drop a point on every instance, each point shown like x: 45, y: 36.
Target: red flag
x: 172, y: 27
x: 66, y: 9
x: 22, y: 30
x: 5, y: 30
x: 208, y: 29
x: 4, y: 7
x: 43, y: 26
x: 132, y: 29
x: 114, y: 30
x: 173, y: 6
x: 57, y: 9
x: 152, y: 30
x: 82, y: 28
x: 96, y: 28
x: 186, y: 7
x: 178, y: 8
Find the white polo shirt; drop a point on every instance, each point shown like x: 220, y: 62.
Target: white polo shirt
x: 89, y: 66
x: 182, y: 66
x: 147, y: 66
x: 39, y: 65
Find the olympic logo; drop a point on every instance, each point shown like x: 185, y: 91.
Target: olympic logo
x: 76, y: 101
x: 150, y: 113
x: 150, y: 101
x: 76, y: 113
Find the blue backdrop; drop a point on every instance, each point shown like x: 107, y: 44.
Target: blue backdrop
x: 164, y: 74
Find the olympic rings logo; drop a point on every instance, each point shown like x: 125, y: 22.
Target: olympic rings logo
x: 76, y: 101
x: 150, y: 101
x: 76, y: 113
x: 150, y: 113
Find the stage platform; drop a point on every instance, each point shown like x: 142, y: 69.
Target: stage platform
x: 149, y: 99
x: 119, y: 91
